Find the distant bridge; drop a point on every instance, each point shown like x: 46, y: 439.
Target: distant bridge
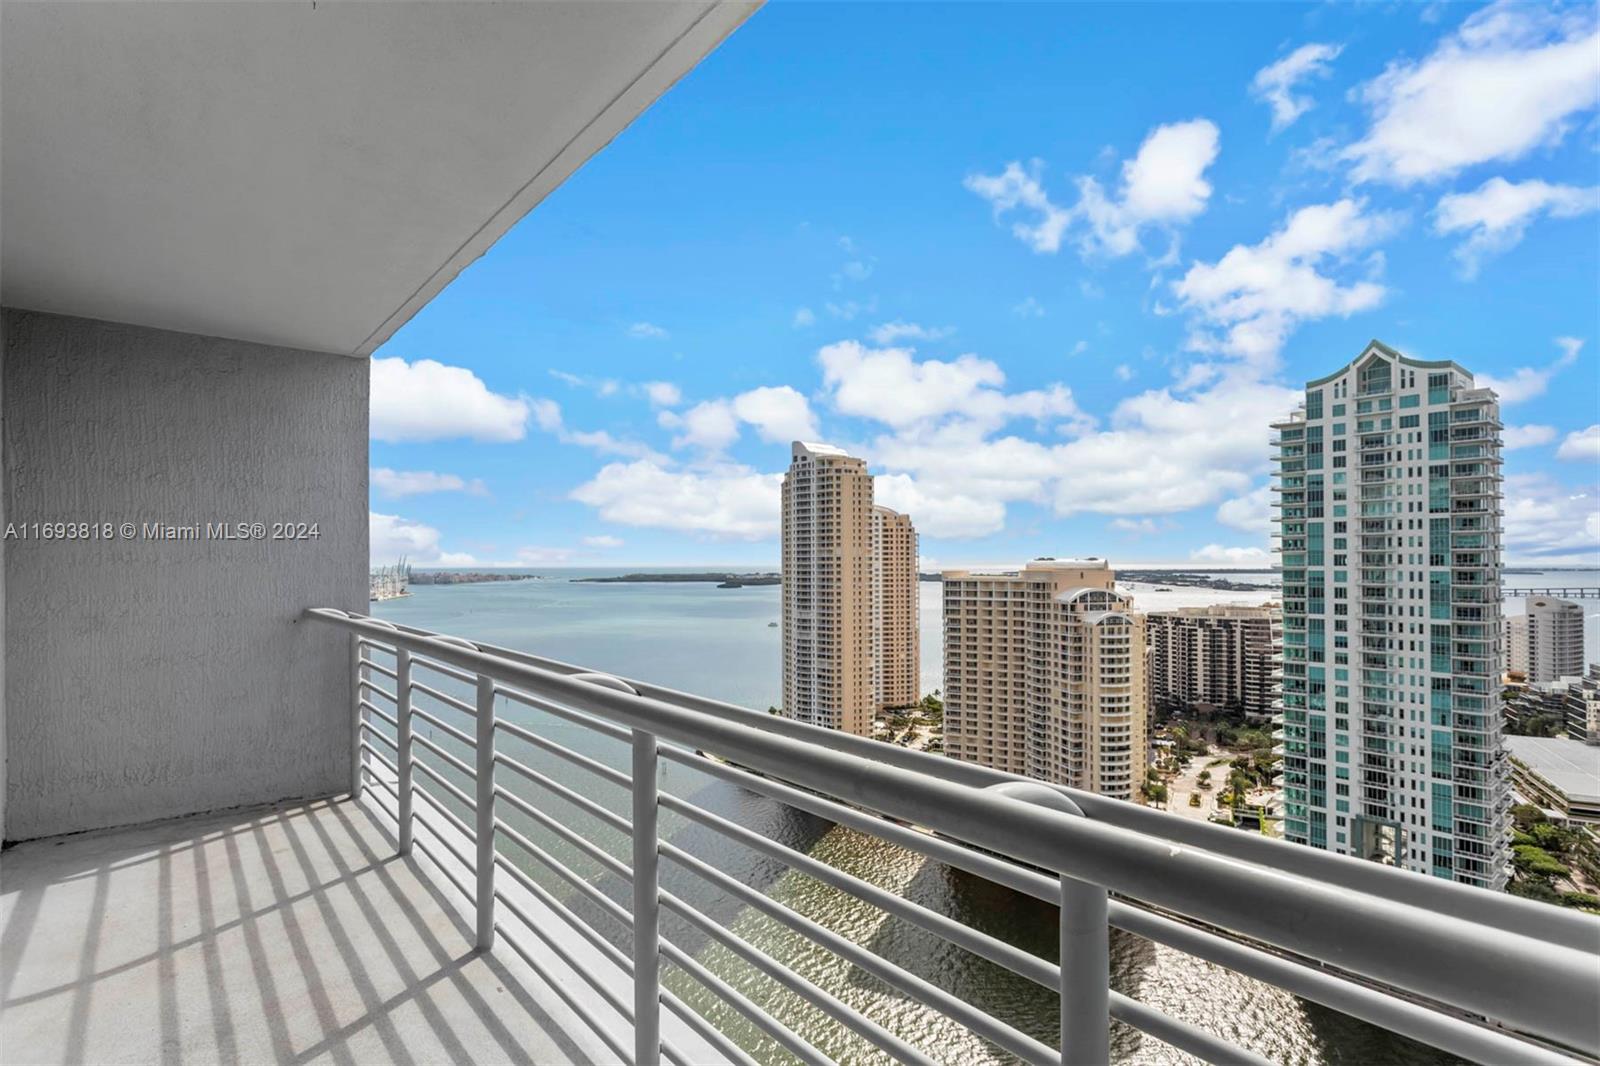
x: 1585, y: 593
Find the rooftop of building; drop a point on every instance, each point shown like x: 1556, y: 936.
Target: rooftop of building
x: 814, y: 449
x: 1221, y: 610
x: 1376, y: 347
x: 1570, y: 766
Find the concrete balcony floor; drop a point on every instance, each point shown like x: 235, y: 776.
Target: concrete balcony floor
x: 289, y: 934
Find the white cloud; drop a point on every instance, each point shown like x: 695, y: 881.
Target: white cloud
x: 1548, y: 521
x: 427, y: 400
x: 663, y: 393
x: 1496, y: 215
x: 547, y: 414
x: 1013, y: 188
x: 710, y: 426
x: 1514, y: 437
x: 1162, y: 185
x: 889, y: 332
x: 859, y: 380
x: 1275, y: 84
x: 1512, y: 79
x: 398, y: 483
x: 603, y: 540
x: 1527, y: 382
x: 1124, y: 372
x: 724, y: 502
x: 646, y: 331
x: 1251, y: 512
x: 600, y: 386
x: 804, y: 317
x: 1582, y: 445
x: 1028, y: 308
x: 390, y: 537
x: 1217, y: 553
x: 780, y: 414
x: 1250, y: 300
x: 938, y: 513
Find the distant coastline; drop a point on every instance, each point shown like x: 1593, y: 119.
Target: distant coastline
x: 723, y: 580
x: 464, y: 577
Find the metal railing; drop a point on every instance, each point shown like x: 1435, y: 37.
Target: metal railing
x: 1482, y: 975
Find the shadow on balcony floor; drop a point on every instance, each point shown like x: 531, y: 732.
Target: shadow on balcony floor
x: 289, y: 934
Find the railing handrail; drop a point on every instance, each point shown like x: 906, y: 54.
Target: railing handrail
x: 1525, y: 981
x: 1511, y: 913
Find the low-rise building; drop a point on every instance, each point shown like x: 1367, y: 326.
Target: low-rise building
x: 1559, y: 774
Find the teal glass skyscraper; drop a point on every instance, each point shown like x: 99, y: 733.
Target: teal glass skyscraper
x: 1388, y: 496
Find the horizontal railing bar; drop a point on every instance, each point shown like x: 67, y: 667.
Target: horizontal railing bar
x: 440, y: 780
x: 607, y: 950
x: 983, y: 1024
x: 451, y: 816
x: 443, y: 697
x: 450, y: 760
x: 941, y: 849
x: 368, y: 664
x: 378, y: 713
x: 588, y: 721
x: 708, y: 1032
x: 446, y: 669
x: 821, y: 999
x: 1527, y: 917
x: 589, y: 848
x: 376, y: 645
x: 460, y: 886
x: 584, y: 803
x: 610, y: 906
x: 445, y: 727
x: 753, y: 1012
x: 1544, y: 988
x: 594, y: 766
x: 997, y: 951
x: 373, y: 686
x: 444, y: 839
x: 374, y: 779
x: 382, y: 759
x: 623, y: 1054
x: 1181, y: 1034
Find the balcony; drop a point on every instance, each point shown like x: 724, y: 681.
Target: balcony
x: 495, y: 889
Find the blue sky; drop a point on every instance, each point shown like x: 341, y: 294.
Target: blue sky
x: 1051, y: 268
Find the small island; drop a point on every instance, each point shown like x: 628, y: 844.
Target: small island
x: 722, y: 580
x: 463, y: 577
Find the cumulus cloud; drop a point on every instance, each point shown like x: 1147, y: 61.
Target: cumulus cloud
x: 647, y: 331
x: 1251, y: 512
x: 778, y: 413
x: 1514, y: 437
x: 1512, y: 79
x: 1496, y: 215
x: 710, y: 426
x: 1275, y: 84
x: 1217, y: 553
x: 723, y: 502
x: 547, y: 415
x: 1248, y: 302
x: 663, y: 393
x: 1545, y: 520
x: 427, y: 400
x: 1528, y: 382
x: 390, y: 537
x: 399, y: 483
x: 889, y: 332
x: 1162, y: 185
x: 1582, y: 445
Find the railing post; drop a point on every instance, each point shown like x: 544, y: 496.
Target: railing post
x: 1085, y: 948
x: 402, y: 711
x: 358, y: 674
x: 485, y: 801
x: 646, y: 903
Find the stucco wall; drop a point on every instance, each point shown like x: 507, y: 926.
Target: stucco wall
x: 148, y: 678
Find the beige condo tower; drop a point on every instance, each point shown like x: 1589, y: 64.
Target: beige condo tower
x: 1044, y: 675
x: 849, y: 594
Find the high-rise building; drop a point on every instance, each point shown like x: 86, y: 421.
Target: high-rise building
x: 896, y: 632
x: 1388, y: 488
x: 1545, y: 642
x: 849, y: 617
x: 1044, y: 675
x: 1224, y: 655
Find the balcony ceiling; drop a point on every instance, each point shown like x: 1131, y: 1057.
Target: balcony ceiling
x: 305, y: 174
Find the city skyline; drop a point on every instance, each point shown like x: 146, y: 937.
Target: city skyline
x: 1096, y: 310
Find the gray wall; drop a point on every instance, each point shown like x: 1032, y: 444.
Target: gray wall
x: 143, y: 678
